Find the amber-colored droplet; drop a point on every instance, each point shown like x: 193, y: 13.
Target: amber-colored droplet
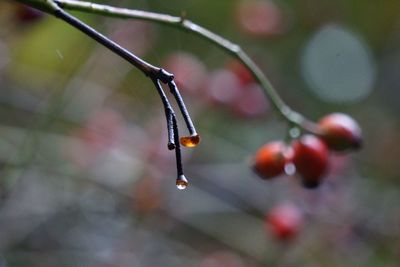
x: 190, y: 141
x: 181, y: 182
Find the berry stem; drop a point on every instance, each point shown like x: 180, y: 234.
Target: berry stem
x: 182, y: 23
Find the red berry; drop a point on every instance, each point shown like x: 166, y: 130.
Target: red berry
x: 284, y: 221
x: 340, y: 132
x: 270, y: 159
x: 311, y: 159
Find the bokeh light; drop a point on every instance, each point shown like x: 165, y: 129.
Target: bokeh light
x: 338, y: 65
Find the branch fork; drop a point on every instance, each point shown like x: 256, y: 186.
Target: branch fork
x: 159, y: 75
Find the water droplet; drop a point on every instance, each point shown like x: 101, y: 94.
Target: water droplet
x: 294, y: 132
x: 190, y: 141
x: 290, y: 169
x: 181, y: 182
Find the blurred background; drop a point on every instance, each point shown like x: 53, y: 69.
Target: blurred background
x: 87, y: 180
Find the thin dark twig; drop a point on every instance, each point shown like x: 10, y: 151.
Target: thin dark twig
x: 156, y: 74
x: 175, y: 92
x: 170, y: 124
x: 169, y: 113
x: 182, y: 23
x: 146, y: 68
x: 178, y: 155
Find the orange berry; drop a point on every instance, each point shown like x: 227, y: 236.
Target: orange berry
x: 270, y: 159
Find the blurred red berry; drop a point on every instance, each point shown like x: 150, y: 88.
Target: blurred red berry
x: 251, y: 103
x: 147, y: 195
x: 223, y: 87
x: 99, y: 134
x: 103, y: 129
x: 242, y: 73
x: 270, y: 159
x: 311, y: 159
x: 260, y: 18
x: 340, y: 132
x: 189, y: 71
x: 27, y: 14
x: 221, y: 259
x: 135, y: 36
x: 284, y: 221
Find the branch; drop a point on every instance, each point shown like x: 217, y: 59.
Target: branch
x: 154, y: 73
x: 293, y: 117
x: 169, y: 114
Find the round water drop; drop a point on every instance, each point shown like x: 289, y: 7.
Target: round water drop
x: 290, y: 169
x: 181, y: 186
x: 181, y: 182
x: 294, y: 132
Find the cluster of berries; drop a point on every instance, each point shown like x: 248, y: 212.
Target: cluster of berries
x: 309, y: 154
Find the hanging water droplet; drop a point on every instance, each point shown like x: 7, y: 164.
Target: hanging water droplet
x: 181, y: 182
x: 294, y: 132
x: 290, y: 169
x: 190, y: 141
x: 181, y: 185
